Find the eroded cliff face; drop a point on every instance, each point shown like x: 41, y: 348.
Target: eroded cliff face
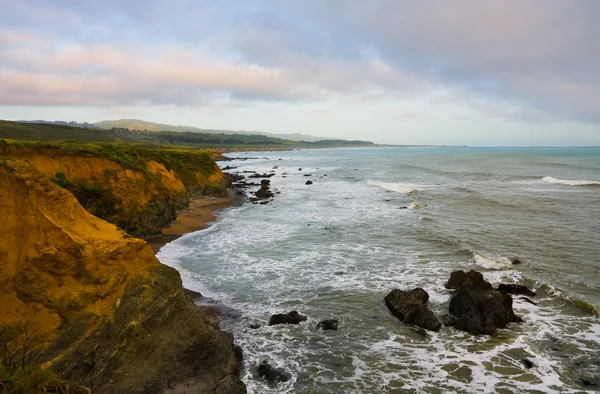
x: 96, y: 305
x: 140, y: 198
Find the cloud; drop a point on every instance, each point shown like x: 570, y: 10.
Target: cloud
x: 532, y: 60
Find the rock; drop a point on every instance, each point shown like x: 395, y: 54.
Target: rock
x: 309, y: 182
x: 478, y: 307
x: 299, y: 169
x: 515, y: 289
x: 449, y: 320
x: 265, y: 175
x: 528, y: 364
x: 265, y: 182
x: 292, y: 317
x: 410, y: 308
x: 264, y: 191
x: 254, y: 325
x: 472, y: 280
x: 515, y: 261
x: 191, y: 294
x: 420, y: 331
x: 272, y: 375
x: 330, y: 324
x: 307, y: 174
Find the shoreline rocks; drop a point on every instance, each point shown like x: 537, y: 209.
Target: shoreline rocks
x: 292, y: 317
x: 477, y: 306
x: 410, y: 308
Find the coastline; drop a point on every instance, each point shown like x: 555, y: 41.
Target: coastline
x: 199, y: 214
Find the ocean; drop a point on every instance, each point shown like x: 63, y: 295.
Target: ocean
x: 376, y: 219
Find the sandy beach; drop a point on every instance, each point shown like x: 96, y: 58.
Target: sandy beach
x: 201, y: 212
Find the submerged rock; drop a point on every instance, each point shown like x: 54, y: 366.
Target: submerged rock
x: 309, y: 182
x: 410, y: 308
x: 515, y: 261
x: 478, y: 307
x: 329, y: 324
x: 271, y: 374
x: 515, y: 289
x: 292, y: 317
x: 527, y: 363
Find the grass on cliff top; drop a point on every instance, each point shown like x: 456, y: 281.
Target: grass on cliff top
x: 131, y: 156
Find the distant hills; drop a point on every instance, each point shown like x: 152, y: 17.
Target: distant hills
x: 73, y: 132
x: 141, y: 125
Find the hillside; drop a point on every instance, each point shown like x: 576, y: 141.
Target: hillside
x: 140, y: 125
x: 181, y: 140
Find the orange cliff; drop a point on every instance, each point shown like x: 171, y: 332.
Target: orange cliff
x: 140, y: 197
x: 96, y: 305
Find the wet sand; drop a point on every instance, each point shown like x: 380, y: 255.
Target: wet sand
x: 201, y: 212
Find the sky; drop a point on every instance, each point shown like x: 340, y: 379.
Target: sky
x: 461, y: 72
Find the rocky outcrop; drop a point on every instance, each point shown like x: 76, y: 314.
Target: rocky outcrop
x: 477, y: 306
x: 410, y: 307
x: 515, y: 289
x: 94, y: 304
x: 292, y: 317
x: 329, y: 324
x: 139, y: 190
x: 271, y: 374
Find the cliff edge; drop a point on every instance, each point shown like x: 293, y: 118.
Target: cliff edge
x: 138, y: 189
x: 93, y: 304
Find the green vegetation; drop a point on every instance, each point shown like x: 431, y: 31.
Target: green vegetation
x: 180, y: 140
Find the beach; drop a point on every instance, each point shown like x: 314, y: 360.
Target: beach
x: 199, y: 214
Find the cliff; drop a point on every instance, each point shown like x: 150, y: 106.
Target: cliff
x: 89, y: 302
x: 137, y: 189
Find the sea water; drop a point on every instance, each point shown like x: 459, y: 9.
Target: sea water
x: 376, y: 219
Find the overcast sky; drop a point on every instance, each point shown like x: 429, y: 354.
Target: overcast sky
x: 476, y: 72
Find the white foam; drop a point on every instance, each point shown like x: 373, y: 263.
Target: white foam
x: 568, y: 182
x: 404, y: 188
x: 492, y: 263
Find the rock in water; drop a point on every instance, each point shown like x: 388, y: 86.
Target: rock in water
x: 292, y: 317
x: 515, y: 289
x: 330, y: 324
x: 309, y: 182
x: 478, y: 307
x: 272, y: 375
x: 410, y: 308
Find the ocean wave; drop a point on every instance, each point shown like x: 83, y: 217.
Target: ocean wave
x: 404, y: 188
x: 492, y: 263
x: 569, y: 182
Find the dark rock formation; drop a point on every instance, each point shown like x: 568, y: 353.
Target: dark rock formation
x: 515, y: 289
x: 330, y: 324
x: 527, y: 363
x: 307, y: 174
x: 309, y: 182
x: 254, y: 325
x: 410, y: 308
x: 515, y: 261
x: 265, y: 175
x: 478, y: 307
x: 292, y: 317
x: 271, y: 374
x: 448, y: 320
